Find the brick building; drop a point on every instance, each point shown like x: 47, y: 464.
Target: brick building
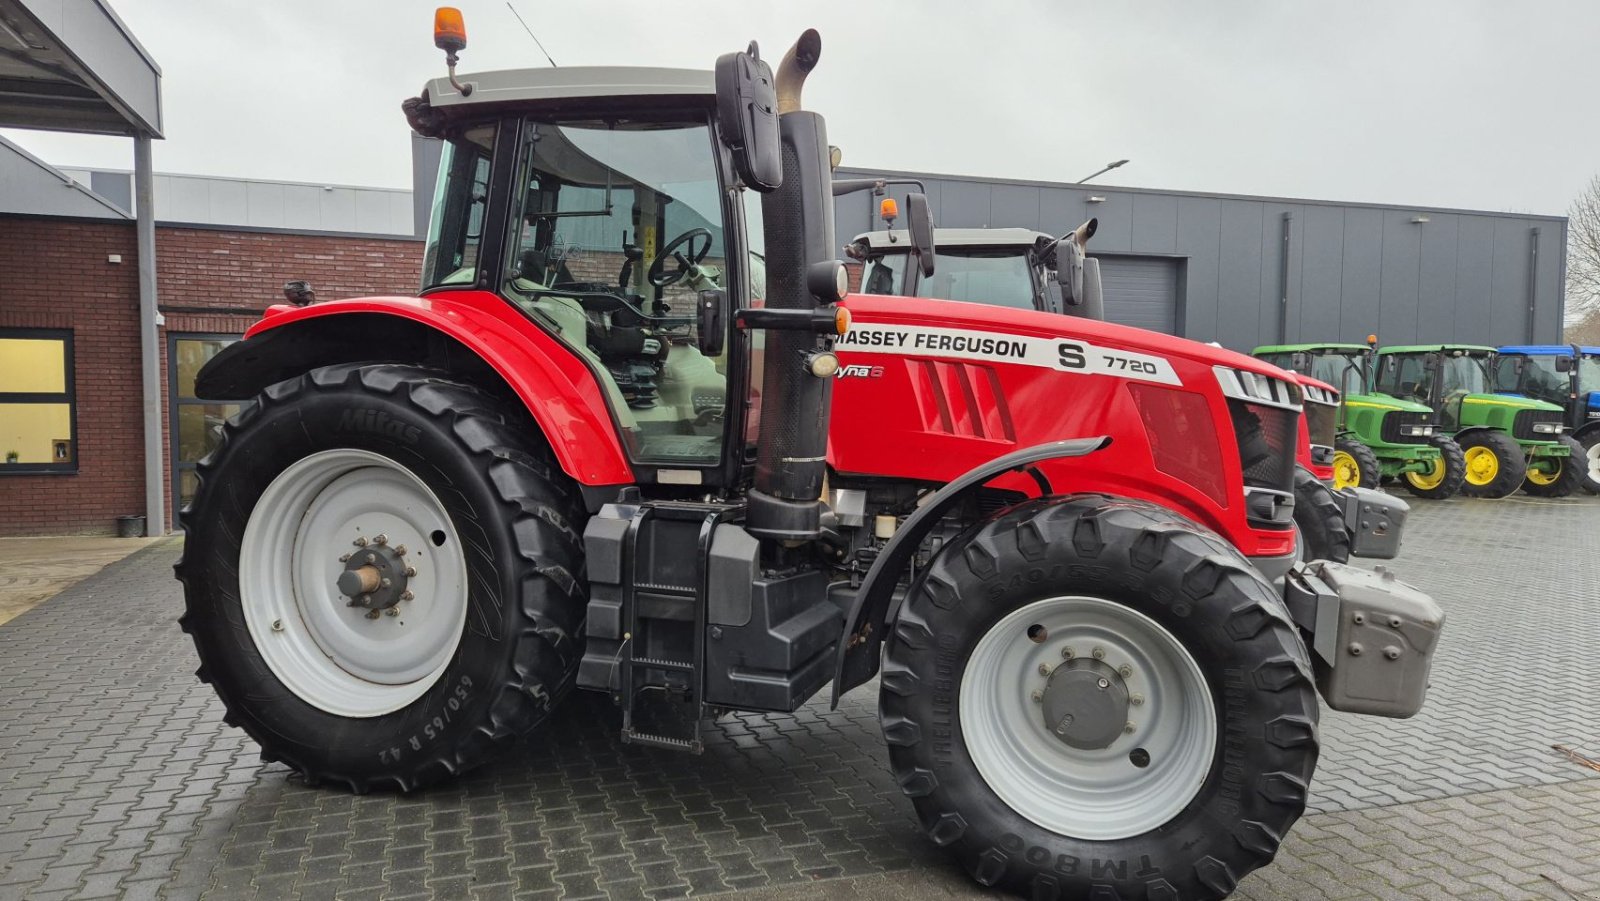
x: 69, y: 303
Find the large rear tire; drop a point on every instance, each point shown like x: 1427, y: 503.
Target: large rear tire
x: 1355, y: 465
x: 1318, y: 520
x: 1187, y: 638
x: 1591, y: 453
x: 1443, y: 480
x: 1564, y: 476
x: 1495, y: 465
x: 445, y: 506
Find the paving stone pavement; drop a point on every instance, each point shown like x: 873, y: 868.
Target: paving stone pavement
x: 118, y: 777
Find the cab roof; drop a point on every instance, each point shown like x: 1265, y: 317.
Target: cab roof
x: 1548, y: 350
x: 553, y: 86
x: 956, y: 237
x: 1304, y: 348
x: 1431, y: 348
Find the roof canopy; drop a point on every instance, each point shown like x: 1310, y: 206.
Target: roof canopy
x: 71, y: 65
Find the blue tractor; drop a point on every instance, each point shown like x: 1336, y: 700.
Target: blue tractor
x: 1567, y: 375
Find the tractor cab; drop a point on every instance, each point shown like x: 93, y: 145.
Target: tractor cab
x: 1567, y: 375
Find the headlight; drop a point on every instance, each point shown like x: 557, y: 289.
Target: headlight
x: 1416, y: 431
x: 1547, y: 428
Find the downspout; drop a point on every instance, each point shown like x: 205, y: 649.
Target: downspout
x: 1533, y: 284
x: 1283, y: 281
x: 155, y: 504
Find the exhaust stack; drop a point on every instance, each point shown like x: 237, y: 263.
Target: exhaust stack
x: 792, y: 440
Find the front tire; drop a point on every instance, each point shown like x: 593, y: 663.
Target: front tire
x: 1318, y: 520
x: 1568, y: 473
x: 1224, y: 738
x: 1444, y: 479
x: 473, y: 633
x: 1355, y: 465
x: 1495, y: 466
x: 1591, y: 455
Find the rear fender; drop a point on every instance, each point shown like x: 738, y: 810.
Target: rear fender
x: 869, y: 613
x: 472, y: 334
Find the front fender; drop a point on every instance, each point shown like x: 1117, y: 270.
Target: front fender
x: 865, y: 626
x: 456, y: 331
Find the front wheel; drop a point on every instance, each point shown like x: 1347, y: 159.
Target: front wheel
x: 1560, y: 476
x: 383, y: 575
x: 1318, y: 521
x: 1355, y: 465
x: 1443, y: 478
x: 1494, y: 463
x: 1092, y: 697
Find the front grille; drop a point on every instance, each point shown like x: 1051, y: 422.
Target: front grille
x: 1322, y: 422
x: 1267, y: 438
x: 1522, y: 426
x: 1395, y: 420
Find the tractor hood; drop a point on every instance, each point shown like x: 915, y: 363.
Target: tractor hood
x: 1511, y: 401
x: 1385, y: 403
x: 984, y: 321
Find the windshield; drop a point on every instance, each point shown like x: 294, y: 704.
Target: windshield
x: 1339, y: 370
x: 1465, y: 375
x: 1589, y: 374
x: 1000, y: 277
x: 1541, y: 381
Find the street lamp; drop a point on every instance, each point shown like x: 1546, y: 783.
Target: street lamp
x: 1108, y: 168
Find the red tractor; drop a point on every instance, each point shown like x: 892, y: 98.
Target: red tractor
x: 600, y: 451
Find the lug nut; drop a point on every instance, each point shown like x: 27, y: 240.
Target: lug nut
x: 411, y: 571
x: 1103, y: 684
x: 345, y: 558
x: 1067, y: 653
x: 400, y: 549
x: 277, y: 625
x: 406, y: 596
x: 1099, y: 653
x: 1038, y: 697
x: 1125, y: 671
x: 1137, y: 700
x: 391, y: 612
x: 361, y: 542
x: 1129, y: 728
x: 381, y: 539
x: 385, y: 583
x: 372, y: 614
x: 1044, y: 670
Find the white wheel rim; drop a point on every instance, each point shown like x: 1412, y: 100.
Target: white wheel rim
x: 1594, y: 462
x: 1095, y: 794
x: 329, y: 654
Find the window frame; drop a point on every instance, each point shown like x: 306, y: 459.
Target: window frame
x: 68, y: 397
x: 175, y: 401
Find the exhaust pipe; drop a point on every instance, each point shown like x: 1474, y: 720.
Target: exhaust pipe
x: 792, y: 440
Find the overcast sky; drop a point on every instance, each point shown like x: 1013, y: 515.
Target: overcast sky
x: 1459, y: 103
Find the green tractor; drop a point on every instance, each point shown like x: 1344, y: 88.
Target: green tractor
x: 1507, y: 442
x: 1380, y: 436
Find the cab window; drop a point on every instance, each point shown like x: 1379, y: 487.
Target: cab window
x: 616, y: 227
x: 455, y: 229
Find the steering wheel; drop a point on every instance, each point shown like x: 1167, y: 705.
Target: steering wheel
x: 658, y: 274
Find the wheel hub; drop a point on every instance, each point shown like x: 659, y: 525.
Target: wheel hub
x: 1085, y: 704
x: 376, y: 575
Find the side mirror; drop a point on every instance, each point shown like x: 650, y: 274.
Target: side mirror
x: 1071, y: 251
x: 919, y: 221
x: 1094, y: 304
x: 1563, y: 364
x: 747, y: 111
x: 710, y: 315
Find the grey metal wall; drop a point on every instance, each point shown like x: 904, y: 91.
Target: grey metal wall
x: 1256, y: 270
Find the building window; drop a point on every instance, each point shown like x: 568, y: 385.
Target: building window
x: 196, y: 424
x: 37, y: 406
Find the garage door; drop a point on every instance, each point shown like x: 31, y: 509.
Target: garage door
x: 1141, y: 291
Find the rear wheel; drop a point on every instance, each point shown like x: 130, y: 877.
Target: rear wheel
x: 1591, y: 453
x: 1354, y: 465
x: 1318, y: 521
x: 1444, y: 477
x: 1558, y: 477
x: 1495, y: 466
x: 1090, y: 697
x: 383, y: 576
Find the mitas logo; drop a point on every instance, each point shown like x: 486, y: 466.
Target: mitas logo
x: 379, y: 423
x: 857, y: 371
